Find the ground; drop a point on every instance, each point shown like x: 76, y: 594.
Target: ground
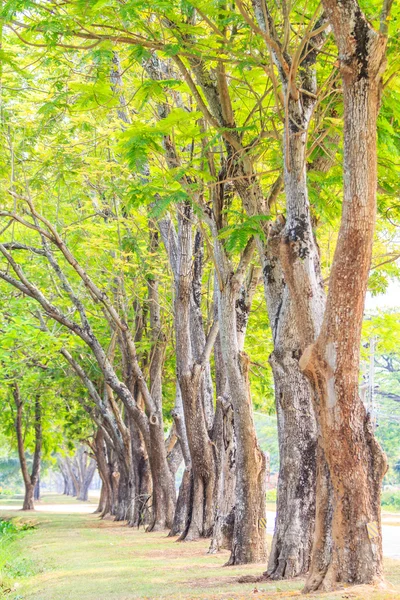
x: 79, y: 557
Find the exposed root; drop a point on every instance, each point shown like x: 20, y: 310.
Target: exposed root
x: 251, y: 578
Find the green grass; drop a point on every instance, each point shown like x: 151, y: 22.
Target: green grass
x: 80, y: 557
x: 17, y: 499
x: 13, y: 564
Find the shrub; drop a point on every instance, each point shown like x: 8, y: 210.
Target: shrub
x: 391, y: 499
x: 271, y: 495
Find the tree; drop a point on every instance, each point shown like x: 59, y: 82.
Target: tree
x: 355, y: 460
x: 32, y: 478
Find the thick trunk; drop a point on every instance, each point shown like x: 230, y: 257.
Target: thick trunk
x: 297, y: 428
x: 297, y: 433
x: 355, y: 461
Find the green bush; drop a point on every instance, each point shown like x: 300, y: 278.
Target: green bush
x: 271, y: 495
x: 391, y: 499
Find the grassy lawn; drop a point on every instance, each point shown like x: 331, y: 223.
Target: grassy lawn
x: 79, y: 557
x: 18, y: 499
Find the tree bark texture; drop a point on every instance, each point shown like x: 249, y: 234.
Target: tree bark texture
x: 356, y: 462
x: 190, y: 374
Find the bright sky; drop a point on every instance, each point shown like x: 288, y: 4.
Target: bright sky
x: 391, y: 299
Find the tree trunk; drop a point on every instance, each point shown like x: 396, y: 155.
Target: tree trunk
x: 184, y: 502
x: 142, y: 478
x: 224, y: 439
x: 249, y: 535
x: 201, y: 515
x: 36, y: 495
x: 297, y: 428
x: 28, y: 497
x: 87, y: 480
x: 190, y: 372
x: 355, y: 460
x: 105, y: 503
x: 30, y: 479
x: 164, y: 495
x: 297, y: 434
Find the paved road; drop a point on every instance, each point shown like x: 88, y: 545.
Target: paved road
x: 390, y: 533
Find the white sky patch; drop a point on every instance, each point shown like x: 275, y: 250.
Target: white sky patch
x: 389, y: 300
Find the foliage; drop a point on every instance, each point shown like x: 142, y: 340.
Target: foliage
x: 391, y: 500
x: 84, y: 132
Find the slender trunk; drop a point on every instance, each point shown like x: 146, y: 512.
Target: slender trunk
x: 184, y: 501
x: 224, y: 434
x: 105, y: 503
x: 164, y: 495
x: 190, y: 374
x: 30, y: 479
x: 142, y: 478
x: 249, y: 534
x: 224, y: 439
x: 36, y: 495
x: 87, y: 477
x: 126, y: 497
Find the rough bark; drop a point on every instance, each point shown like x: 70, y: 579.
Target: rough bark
x: 224, y: 430
x: 183, y: 505
x: 249, y: 535
x: 238, y: 166
x: 164, y: 496
x: 106, y: 495
x: 297, y: 428
x: 190, y: 372
x: 224, y: 439
x: 356, y: 462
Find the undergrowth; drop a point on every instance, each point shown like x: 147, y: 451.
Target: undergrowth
x: 12, y: 564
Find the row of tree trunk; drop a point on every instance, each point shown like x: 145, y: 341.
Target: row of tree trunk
x: 77, y: 472
x: 331, y: 467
